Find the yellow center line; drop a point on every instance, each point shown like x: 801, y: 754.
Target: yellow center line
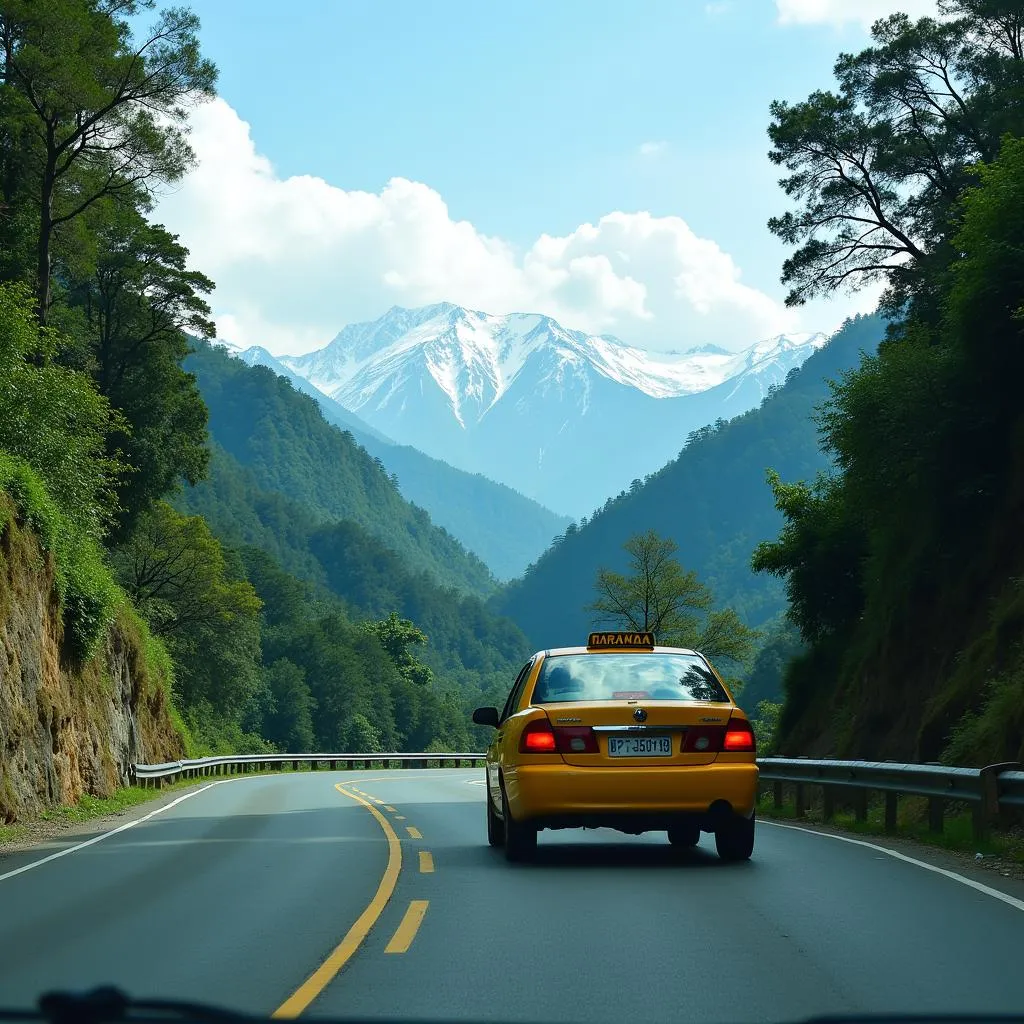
x: 426, y: 862
x: 414, y: 832
x: 322, y: 976
x: 406, y: 931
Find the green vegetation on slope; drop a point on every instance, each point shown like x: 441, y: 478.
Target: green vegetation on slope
x: 712, y: 501
x: 282, y: 437
x: 470, y: 649
x: 904, y: 570
x: 503, y: 527
x: 262, y: 637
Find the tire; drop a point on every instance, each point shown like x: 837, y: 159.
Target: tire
x: 495, y: 827
x: 735, y: 840
x: 520, y: 836
x: 685, y: 835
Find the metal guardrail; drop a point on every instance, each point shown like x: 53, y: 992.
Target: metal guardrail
x: 232, y: 764
x: 992, y: 792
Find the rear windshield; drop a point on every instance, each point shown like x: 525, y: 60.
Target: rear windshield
x: 572, y: 677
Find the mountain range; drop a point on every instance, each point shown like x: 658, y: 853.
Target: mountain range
x: 712, y: 500
x: 563, y: 417
x: 504, y: 528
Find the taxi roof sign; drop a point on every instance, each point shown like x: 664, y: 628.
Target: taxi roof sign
x: 643, y: 639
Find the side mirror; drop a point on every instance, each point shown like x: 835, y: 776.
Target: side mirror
x: 486, y: 716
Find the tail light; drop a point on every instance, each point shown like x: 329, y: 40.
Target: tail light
x: 576, y: 739
x: 540, y: 738
x: 739, y: 737
x: 703, y: 739
x: 537, y: 738
x: 735, y: 738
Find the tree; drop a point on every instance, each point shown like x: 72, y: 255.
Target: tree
x: 659, y: 596
x: 98, y: 113
x: 819, y: 554
x: 53, y: 418
x: 138, y: 303
x: 177, y: 575
x: 289, y: 723
x: 766, y: 726
x: 360, y: 737
x: 876, y: 167
x: 396, y: 636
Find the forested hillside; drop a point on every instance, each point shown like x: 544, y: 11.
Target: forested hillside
x: 713, y: 501
x: 282, y: 437
x: 504, y: 528
x: 470, y: 649
x: 904, y: 570
x: 284, y: 620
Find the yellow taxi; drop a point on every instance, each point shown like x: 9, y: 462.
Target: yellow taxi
x: 620, y: 734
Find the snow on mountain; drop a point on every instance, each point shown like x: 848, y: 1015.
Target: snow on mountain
x: 475, y: 357
x: 517, y: 397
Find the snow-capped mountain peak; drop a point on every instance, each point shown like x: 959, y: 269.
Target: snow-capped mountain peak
x: 474, y: 358
x: 520, y: 396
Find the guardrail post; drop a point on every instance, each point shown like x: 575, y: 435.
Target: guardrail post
x: 860, y: 805
x: 828, y: 803
x: 891, y: 802
x: 936, y: 812
x: 986, y: 810
x: 295, y: 766
x: 777, y: 793
x: 801, y: 803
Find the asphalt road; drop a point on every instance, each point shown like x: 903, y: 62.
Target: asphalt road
x: 287, y: 893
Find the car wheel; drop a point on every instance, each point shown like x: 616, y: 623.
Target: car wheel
x: 734, y: 839
x: 495, y: 827
x: 520, y: 836
x: 684, y: 835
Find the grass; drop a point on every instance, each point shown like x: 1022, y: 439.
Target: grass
x: 12, y: 833
x: 90, y: 807
x: 86, y: 587
x: 911, y: 823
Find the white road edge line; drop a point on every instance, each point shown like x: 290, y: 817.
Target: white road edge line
x: 113, y: 832
x: 987, y: 890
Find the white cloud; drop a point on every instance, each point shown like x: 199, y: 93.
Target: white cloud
x: 652, y: 149
x: 718, y: 7
x: 841, y: 12
x: 297, y: 258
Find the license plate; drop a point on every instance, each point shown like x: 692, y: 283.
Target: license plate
x: 639, y: 746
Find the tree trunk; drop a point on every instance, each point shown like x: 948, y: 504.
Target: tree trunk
x: 43, y: 245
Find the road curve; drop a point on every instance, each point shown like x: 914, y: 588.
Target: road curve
x: 289, y: 893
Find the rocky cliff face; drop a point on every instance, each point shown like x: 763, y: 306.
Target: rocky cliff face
x: 67, y: 729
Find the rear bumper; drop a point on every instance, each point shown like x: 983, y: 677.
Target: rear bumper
x: 630, y: 798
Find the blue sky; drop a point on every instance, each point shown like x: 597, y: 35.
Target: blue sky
x: 518, y: 121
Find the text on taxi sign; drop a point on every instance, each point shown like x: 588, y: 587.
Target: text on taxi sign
x: 621, y: 638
